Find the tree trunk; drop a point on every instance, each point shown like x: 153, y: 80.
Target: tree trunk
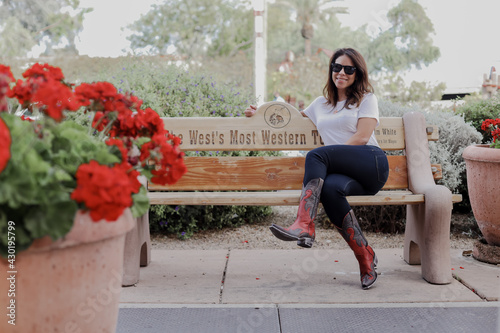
x: 307, y: 46
x: 307, y: 32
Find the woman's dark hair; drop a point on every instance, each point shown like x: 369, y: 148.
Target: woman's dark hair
x: 361, y: 83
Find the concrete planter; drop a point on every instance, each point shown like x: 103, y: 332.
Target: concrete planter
x: 483, y: 179
x: 70, y: 285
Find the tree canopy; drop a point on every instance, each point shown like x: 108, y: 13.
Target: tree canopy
x: 310, y: 13
x: 222, y: 27
x: 208, y: 29
x: 195, y: 27
x: 406, y: 43
x: 51, y: 23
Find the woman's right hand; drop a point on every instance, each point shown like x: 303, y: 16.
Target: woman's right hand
x: 250, y: 110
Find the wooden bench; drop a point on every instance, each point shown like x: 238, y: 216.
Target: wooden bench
x: 277, y: 180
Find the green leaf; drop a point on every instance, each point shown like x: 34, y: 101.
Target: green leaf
x: 54, y: 220
x: 60, y: 218
x: 141, y: 203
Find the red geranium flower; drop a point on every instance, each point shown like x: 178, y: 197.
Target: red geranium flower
x: 6, y: 78
x: 118, y: 143
x: 105, y: 191
x: 53, y: 98
x: 45, y: 89
x: 5, y: 140
x: 22, y: 91
x: 492, y: 126
x: 46, y: 71
x: 95, y: 94
x: 5, y: 70
x: 167, y: 158
x: 23, y: 117
x: 496, y: 134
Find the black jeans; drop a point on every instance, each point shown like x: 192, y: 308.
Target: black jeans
x: 346, y: 170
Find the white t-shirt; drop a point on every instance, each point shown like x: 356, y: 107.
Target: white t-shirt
x: 337, y: 124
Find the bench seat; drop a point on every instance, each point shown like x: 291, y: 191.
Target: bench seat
x: 281, y: 198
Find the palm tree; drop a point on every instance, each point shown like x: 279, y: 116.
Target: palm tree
x: 310, y: 11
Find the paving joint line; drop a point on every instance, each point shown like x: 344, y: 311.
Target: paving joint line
x: 466, y: 285
x: 224, y: 276
x: 279, y: 317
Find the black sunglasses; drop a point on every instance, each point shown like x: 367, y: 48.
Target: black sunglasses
x: 349, y: 70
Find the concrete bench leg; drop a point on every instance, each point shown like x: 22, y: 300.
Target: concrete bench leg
x: 137, y: 251
x: 427, y: 236
x: 145, y: 245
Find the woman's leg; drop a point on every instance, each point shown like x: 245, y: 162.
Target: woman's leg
x: 302, y: 230
x: 366, y: 164
x: 346, y: 170
x: 321, y: 165
x: 367, y: 260
x: 333, y: 196
x: 349, y: 170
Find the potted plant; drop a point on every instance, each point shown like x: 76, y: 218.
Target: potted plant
x: 68, y: 195
x: 483, y: 176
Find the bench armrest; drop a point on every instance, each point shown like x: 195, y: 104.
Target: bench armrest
x: 428, y: 225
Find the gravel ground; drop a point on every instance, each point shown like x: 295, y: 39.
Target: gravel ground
x: 258, y: 236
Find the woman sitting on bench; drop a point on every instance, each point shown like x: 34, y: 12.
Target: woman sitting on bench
x: 350, y: 163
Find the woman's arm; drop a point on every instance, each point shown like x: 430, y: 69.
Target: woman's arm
x: 365, y: 129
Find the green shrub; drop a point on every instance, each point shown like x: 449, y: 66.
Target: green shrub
x: 175, y: 92
x: 476, y: 111
x: 183, y: 221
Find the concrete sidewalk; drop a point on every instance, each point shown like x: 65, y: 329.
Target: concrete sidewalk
x: 305, y: 290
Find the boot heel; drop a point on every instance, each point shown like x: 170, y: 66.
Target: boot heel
x: 305, y: 242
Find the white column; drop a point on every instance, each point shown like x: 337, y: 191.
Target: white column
x: 260, y: 50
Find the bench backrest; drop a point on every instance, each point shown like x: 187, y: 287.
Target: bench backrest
x: 275, y: 126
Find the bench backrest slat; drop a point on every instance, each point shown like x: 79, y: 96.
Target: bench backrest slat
x: 275, y: 126
x: 260, y: 173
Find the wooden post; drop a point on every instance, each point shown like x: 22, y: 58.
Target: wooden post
x: 260, y: 50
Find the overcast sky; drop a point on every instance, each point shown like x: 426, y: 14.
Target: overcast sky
x: 466, y: 33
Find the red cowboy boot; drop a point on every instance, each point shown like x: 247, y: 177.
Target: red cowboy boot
x: 302, y: 230
x: 364, y: 253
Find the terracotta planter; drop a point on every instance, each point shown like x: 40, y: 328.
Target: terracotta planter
x: 483, y: 179
x: 71, y: 285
